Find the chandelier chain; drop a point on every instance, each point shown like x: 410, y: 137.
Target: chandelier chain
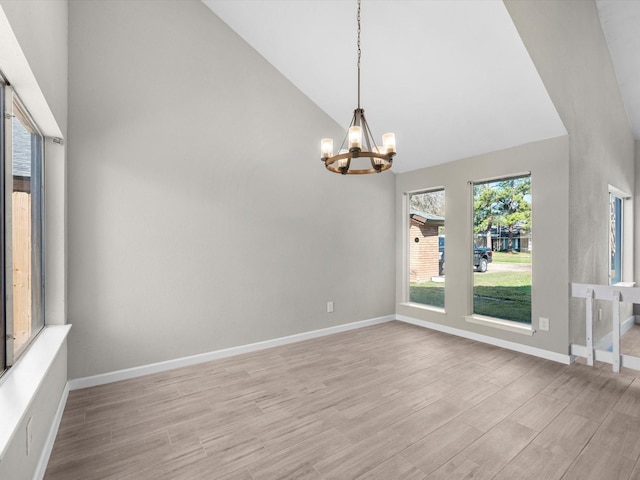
x: 359, y: 52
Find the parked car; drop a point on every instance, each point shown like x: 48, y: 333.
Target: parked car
x: 482, y: 256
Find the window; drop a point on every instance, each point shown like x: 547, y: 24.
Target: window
x: 615, y: 237
x: 426, y: 248
x: 22, y: 222
x: 502, y: 249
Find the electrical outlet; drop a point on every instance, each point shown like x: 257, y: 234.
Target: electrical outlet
x: 543, y: 324
x: 329, y: 307
x: 29, y: 435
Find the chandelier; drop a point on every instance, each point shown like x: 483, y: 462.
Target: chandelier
x: 358, y: 142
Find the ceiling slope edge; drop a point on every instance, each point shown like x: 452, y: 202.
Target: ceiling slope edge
x: 453, y: 80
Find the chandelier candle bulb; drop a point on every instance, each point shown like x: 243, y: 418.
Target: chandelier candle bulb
x: 389, y: 142
x: 326, y: 146
x: 355, y: 137
x: 343, y: 161
x: 376, y: 160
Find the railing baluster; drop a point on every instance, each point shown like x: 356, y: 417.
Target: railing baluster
x: 616, y: 331
x: 591, y: 306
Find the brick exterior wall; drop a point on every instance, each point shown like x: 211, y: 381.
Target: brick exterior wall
x: 423, y: 255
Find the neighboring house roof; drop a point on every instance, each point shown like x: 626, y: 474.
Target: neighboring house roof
x: 503, y: 231
x: 21, y: 139
x: 426, y: 218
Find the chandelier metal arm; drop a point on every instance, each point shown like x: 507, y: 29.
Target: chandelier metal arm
x: 367, y: 135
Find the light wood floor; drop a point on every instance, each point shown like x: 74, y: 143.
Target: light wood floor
x: 387, y: 402
x: 630, y: 342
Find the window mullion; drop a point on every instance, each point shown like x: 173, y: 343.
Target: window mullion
x: 7, y: 233
x: 3, y: 337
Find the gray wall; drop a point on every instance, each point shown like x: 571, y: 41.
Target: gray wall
x: 567, y: 45
x: 41, y: 30
x: 548, y: 162
x: 637, y: 224
x: 200, y: 214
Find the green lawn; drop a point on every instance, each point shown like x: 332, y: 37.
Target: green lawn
x: 505, y: 295
x: 427, y: 293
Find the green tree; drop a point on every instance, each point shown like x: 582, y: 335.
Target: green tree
x: 506, y: 202
x: 486, y: 212
x: 428, y: 202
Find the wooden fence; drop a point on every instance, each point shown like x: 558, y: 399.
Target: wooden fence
x: 21, y: 248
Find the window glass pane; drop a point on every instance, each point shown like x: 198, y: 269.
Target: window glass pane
x: 3, y: 344
x: 615, y: 240
x: 26, y: 231
x: 426, y: 248
x: 502, y: 249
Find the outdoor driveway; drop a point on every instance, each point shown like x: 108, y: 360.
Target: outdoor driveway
x: 508, y: 267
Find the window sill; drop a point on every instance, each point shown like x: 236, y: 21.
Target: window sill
x: 422, y: 306
x: 20, y: 383
x: 624, y: 284
x: 501, y: 324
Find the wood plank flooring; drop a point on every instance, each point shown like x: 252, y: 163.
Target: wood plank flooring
x: 630, y: 341
x: 392, y: 401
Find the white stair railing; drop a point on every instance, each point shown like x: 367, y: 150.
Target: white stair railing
x: 615, y: 294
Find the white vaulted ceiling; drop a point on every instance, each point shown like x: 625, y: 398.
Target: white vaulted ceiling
x: 620, y: 21
x: 452, y: 79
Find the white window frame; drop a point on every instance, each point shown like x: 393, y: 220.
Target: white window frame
x: 626, y: 261
x: 406, y: 264
x: 11, y: 102
x: 499, y: 323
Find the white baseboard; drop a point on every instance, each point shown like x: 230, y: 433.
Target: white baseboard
x: 135, y: 372
x: 600, y: 355
x: 627, y: 361
x: 51, y: 437
x: 518, y: 347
